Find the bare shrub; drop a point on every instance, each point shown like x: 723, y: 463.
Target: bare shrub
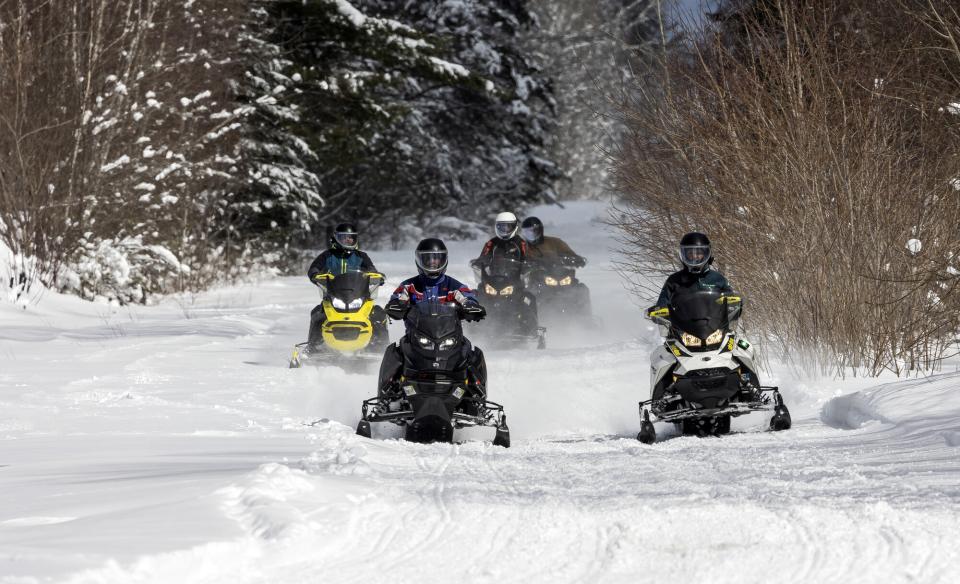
x: 813, y: 142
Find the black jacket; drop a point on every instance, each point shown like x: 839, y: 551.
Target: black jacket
x: 514, y: 248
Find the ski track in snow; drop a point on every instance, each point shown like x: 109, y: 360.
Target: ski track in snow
x: 171, y: 444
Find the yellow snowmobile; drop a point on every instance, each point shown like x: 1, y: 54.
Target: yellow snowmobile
x: 352, y: 318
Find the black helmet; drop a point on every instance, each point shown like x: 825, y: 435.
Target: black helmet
x: 431, y: 257
x: 345, y: 235
x: 695, y: 252
x: 532, y: 230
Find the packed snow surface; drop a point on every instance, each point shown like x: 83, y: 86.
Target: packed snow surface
x: 171, y: 444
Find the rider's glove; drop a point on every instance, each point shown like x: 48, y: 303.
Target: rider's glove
x: 472, y: 311
x: 397, y: 309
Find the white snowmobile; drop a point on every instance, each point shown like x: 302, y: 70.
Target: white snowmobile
x: 704, y: 374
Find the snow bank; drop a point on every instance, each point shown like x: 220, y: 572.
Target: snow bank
x: 921, y: 409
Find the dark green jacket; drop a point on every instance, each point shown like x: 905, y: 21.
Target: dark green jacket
x: 685, y: 281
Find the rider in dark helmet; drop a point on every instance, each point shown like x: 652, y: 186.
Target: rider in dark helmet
x: 432, y: 284
x: 542, y: 247
x: 343, y: 256
x: 696, y: 257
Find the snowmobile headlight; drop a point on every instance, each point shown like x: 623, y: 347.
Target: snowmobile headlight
x: 715, y: 337
x: 354, y: 305
x: 507, y: 291
x: 566, y: 281
x: 550, y: 281
x: 424, y: 341
x: 490, y: 290
x: 690, y: 340
x: 447, y: 343
x: 339, y: 304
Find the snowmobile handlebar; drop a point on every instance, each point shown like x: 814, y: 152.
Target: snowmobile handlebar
x: 661, y: 314
x: 470, y: 312
x: 325, y: 277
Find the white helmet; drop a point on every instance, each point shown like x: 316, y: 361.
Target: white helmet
x: 506, y: 225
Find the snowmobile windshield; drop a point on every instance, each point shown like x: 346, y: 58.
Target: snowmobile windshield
x: 694, y: 256
x: 505, y: 267
x: 434, y: 320
x: 348, y: 290
x: 506, y: 229
x: 700, y: 313
x: 346, y: 239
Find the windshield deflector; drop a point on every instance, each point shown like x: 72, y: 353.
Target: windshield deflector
x: 434, y: 319
x: 699, y: 313
x: 349, y: 286
x: 502, y: 267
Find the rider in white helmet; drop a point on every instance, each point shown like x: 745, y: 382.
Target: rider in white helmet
x: 507, y: 242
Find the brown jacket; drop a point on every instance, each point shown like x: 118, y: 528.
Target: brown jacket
x: 551, y: 248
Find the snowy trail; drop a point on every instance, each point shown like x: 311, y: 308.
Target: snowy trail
x: 171, y: 444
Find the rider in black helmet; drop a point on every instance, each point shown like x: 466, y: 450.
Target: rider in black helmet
x: 542, y: 247
x: 696, y: 257
x: 343, y: 256
x: 431, y: 284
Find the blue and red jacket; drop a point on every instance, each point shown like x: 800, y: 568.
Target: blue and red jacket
x: 422, y: 288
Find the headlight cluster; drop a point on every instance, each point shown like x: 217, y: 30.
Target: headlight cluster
x: 493, y: 291
x: 691, y: 341
x: 427, y: 342
x: 551, y: 281
x: 341, y: 305
x: 715, y: 337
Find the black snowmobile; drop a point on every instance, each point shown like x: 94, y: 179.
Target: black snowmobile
x: 560, y: 295
x: 704, y: 373
x: 438, y: 390
x: 511, y: 308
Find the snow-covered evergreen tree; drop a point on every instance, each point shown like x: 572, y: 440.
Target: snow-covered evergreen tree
x: 419, y: 111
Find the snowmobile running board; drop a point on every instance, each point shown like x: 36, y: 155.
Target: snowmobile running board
x: 302, y: 356
x: 540, y: 337
x: 733, y: 409
x: 492, y: 416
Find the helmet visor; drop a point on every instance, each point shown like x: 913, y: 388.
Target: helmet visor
x: 532, y: 234
x: 432, y: 262
x: 506, y: 229
x: 346, y: 239
x: 694, y: 256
